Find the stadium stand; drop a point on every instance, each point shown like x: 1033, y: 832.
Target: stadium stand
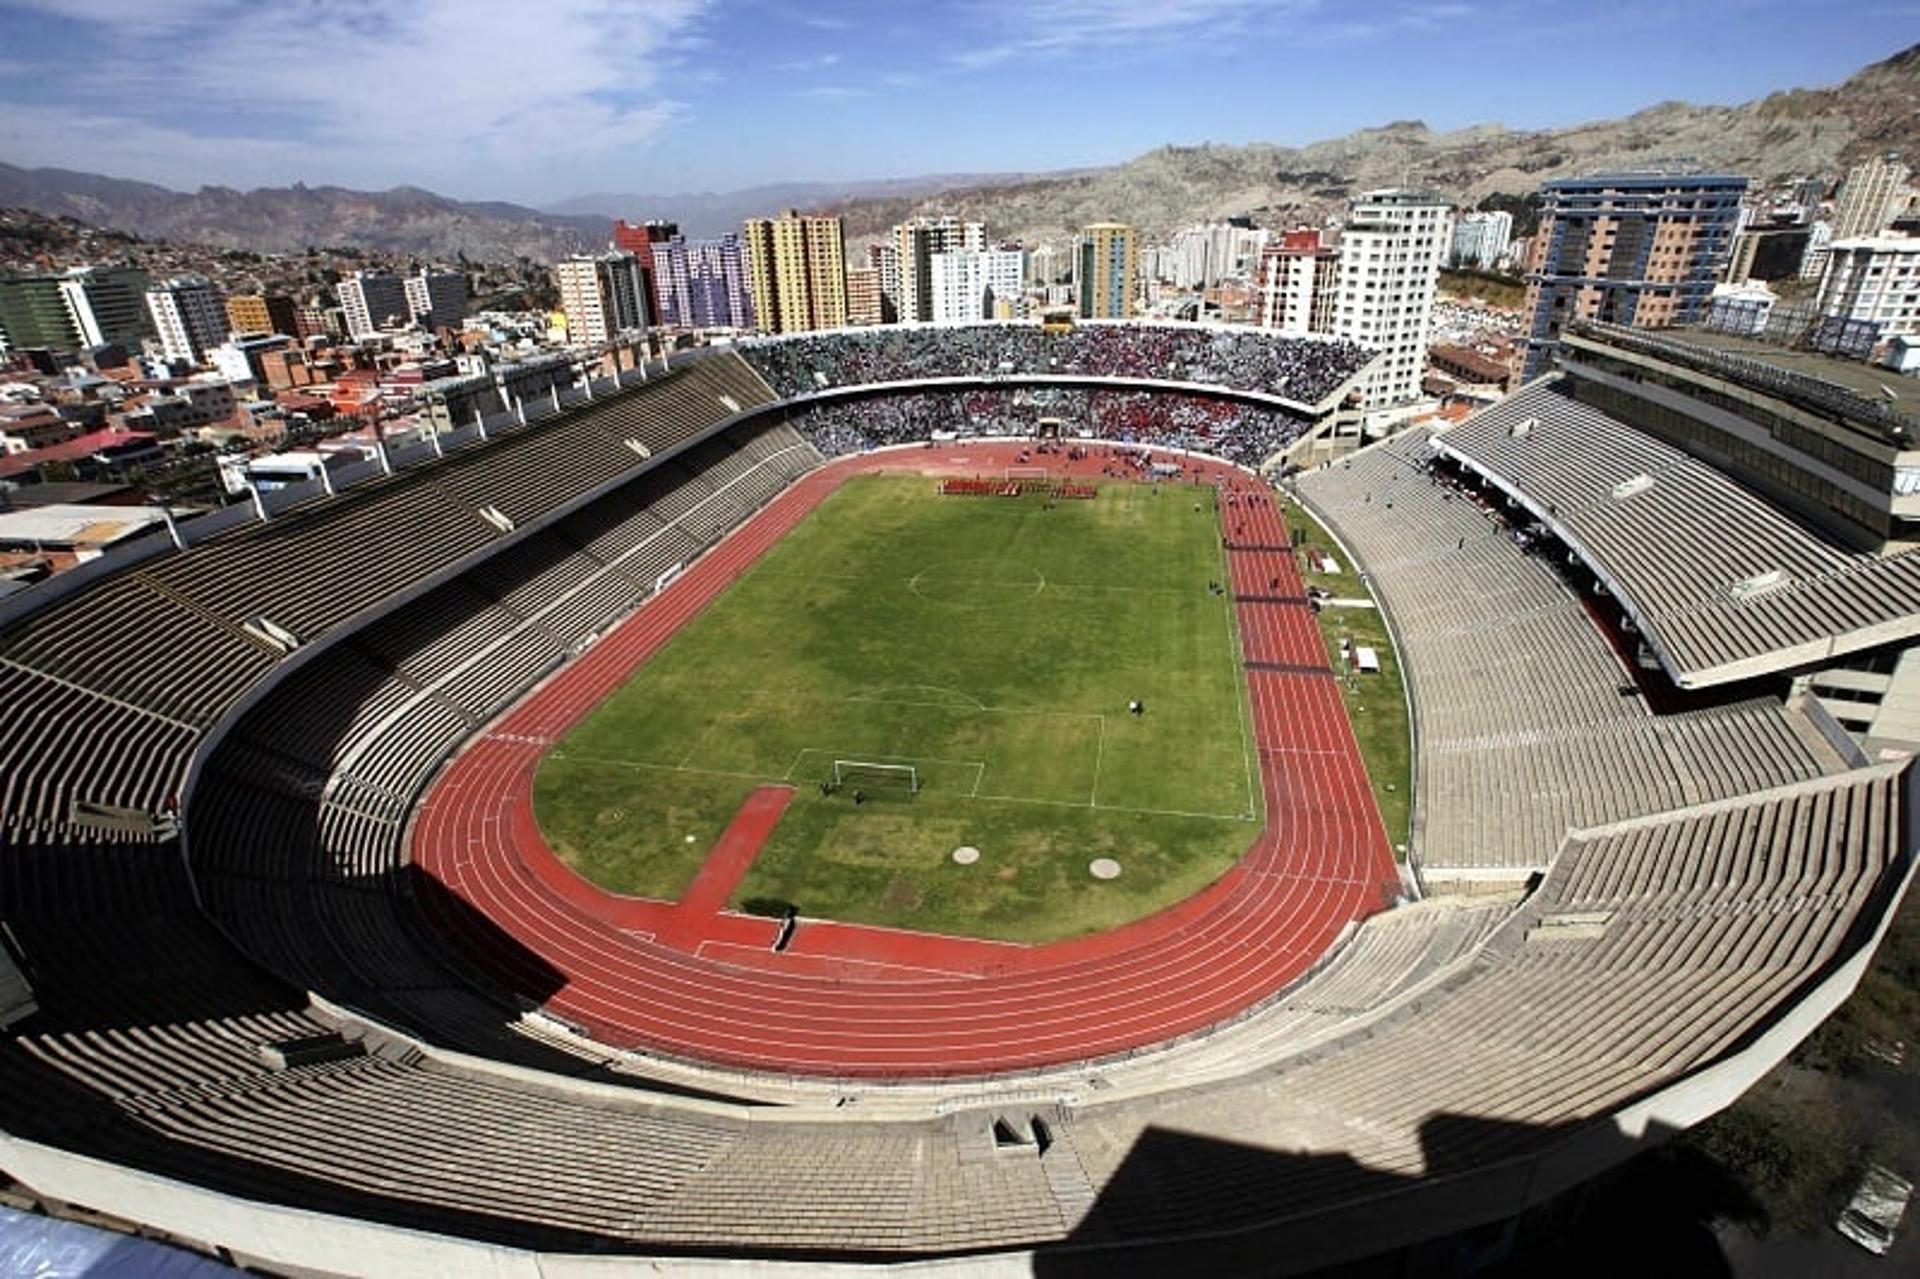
x: 1723, y: 585
x: 1305, y: 372
x: 1521, y: 724
x: 1241, y: 433
x: 280, y: 1029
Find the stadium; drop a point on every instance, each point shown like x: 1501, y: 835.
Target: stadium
x: 302, y: 966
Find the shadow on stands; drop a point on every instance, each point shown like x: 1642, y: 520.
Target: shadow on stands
x: 1499, y: 1199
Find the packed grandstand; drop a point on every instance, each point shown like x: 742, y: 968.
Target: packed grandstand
x: 245, y: 992
x: 1304, y: 371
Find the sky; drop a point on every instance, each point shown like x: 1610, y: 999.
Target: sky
x: 542, y: 100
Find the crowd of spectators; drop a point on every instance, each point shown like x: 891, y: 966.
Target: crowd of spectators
x: 1302, y: 369
x: 1238, y: 432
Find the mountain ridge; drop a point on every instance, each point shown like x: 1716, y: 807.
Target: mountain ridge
x: 1791, y: 132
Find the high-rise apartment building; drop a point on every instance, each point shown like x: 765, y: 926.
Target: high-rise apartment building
x: 437, y: 299
x: 1873, y: 192
x: 884, y: 257
x: 1876, y: 280
x: 970, y: 285
x: 916, y: 242
x: 1480, y: 240
x: 1109, y: 271
x: 1199, y: 257
x: 1045, y: 264
x: 1391, y: 250
x: 603, y: 295
x: 108, y: 305
x: 797, y: 269
x: 1642, y: 249
x: 34, y: 313
x: 263, y: 313
x: 1298, y: 285
x: 643, y: 239
x: 189, y: 317
x: 373, y: 302
x: 1813, y: 263
x: 865, y: 303
x: 703, y: 283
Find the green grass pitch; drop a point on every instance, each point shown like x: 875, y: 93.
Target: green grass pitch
x: 992, y: 643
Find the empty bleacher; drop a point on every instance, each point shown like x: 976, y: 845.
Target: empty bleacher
x: 1726, y: 584
x: 1526, y: 719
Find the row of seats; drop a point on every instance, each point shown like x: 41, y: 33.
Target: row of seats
x: 1721, y: 577
x: 1527, y: 721
x: 304, y: 803
x: 141, y: 665
x: 1653, y: 947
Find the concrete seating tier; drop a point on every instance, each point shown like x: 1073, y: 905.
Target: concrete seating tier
x: 1528, y: 721
x: 1726, y: 585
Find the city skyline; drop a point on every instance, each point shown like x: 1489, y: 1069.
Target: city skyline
x: 667, y: 96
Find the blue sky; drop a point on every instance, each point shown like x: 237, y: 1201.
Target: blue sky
x: 544, y: 99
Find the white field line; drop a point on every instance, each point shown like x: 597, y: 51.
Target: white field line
x: 1099, y: 757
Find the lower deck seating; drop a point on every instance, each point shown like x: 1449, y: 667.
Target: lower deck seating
x: 332, y: 778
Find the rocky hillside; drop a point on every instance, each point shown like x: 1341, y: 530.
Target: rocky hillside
x: 1800, y: 132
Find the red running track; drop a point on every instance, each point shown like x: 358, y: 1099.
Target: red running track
x: 854, y: 1001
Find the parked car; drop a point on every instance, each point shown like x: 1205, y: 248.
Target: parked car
x: 1874, y: 1213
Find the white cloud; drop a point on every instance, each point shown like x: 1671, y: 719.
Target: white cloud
x: 818, y: 63
x: 1037, y: 29
x: 461, y: 93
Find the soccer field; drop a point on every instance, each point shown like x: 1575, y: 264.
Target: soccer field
x: 992, y: 644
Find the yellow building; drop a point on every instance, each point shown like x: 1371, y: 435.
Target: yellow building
x: 262, y: 313
x: 865, y: 303
x: 1109, y: 271
x: 796, y: 267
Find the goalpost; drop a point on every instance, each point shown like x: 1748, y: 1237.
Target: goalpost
x: 863, y: 772
x: 1028, y: 475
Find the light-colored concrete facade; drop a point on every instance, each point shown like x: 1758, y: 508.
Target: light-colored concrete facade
x: 1480, y: 240
x: 975, y: 284
x: 916, y: 243
x: 189, y: 316
x: 603, y: 295
x: 1299, y: 283
x: 373, y: 302
x: 1870, y: 197
x: 1391, y: 250
x: 1876, y: 280
x: 437, y: 299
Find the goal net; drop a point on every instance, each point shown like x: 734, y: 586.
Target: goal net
x: 1028, y: 474
x: 860, y: 772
